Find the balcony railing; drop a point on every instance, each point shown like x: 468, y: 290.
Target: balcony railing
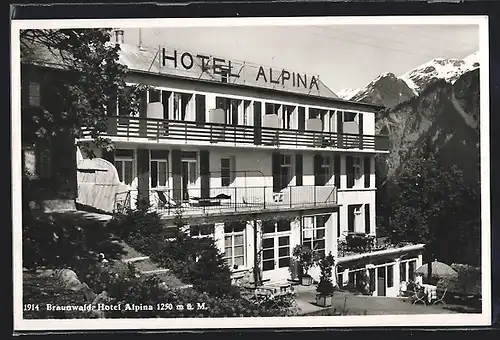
x: 223, y: 200
x: 186, y: 132
x: 353, y: 243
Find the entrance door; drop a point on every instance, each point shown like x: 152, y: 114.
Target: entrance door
x: 188, y: 178
x: 381, y: 281
x: 276, y: 251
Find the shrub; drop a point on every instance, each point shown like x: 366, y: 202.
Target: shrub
x: 40, y: 291
x: 64, y: 240
x: 305, y: 257
x: 197, y: 261
x: 325, y: 285
x: 144, y: 297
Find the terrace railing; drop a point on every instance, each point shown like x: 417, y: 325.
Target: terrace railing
x: 212, y: 133
x: 223, y: 200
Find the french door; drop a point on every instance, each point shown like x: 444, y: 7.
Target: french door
x: 276, y: 251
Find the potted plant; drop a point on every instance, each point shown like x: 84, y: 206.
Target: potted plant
x: 305, y: 258
x: 325, y: 286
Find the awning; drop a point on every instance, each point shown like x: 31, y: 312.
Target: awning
x: 377, y: 253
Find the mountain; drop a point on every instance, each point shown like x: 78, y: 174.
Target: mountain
x: 445, y: 115
x: 386, y: 90
x: 389, y: 90
x: 439, y: 68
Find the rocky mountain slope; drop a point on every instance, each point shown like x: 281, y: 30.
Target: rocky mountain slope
x: 437, y: 102
x: 444, y: 114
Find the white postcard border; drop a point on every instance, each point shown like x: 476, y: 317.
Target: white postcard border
x: 462, y: 320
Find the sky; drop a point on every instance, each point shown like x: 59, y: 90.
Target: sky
x: 344, y: 56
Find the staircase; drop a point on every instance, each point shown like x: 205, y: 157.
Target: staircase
x: 147, y: 267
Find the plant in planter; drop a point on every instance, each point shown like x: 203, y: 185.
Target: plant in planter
x: 325, y: 286
x: 305, y: 258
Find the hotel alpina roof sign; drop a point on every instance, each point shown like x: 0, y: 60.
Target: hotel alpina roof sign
x: 232, y: 71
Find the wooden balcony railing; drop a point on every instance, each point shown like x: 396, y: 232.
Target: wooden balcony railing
x: 213, y: 133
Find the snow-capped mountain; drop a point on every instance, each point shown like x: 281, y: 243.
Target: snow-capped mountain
x: 416, y: 80
x: 347, y: 93
x: 386, y: 90
x: 439, y: 68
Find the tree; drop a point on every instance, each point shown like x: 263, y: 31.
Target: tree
x: 80, y: 77
x: 435, y: 206
x: 87, y: 79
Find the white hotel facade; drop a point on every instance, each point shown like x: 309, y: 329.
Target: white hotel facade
x: 261, y: 160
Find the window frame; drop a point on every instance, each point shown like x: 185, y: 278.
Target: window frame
x: 123, y: 160
x: 230, y: 260
x: 200, y: 229
x: 158, y: 161
x: 314, y: 230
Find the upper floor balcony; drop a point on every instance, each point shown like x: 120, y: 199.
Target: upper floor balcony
x: 125, y: 128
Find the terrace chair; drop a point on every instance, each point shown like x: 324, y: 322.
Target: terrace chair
x: 419, y: 296
x: 441, y: 299
x: 163, y: 201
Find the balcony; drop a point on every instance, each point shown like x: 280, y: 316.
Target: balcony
x: 185, y: 132
x: 227, y: 200
x: 354, y: 244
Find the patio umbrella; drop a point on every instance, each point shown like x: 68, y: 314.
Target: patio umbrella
x: 439, y: 269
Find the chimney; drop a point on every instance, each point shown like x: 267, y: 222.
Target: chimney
x: 119, y: 36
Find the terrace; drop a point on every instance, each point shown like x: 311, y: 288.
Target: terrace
x: 125, y: 128
x: 353, y: 245
x: 231, y: 200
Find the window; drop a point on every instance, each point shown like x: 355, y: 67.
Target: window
x: 390, y: 276
x: 327, y: 168
x: 353, y: 165
x: 233, y: 112
x: 286, y: 117
x: 227, y: 168
x: 235, y: 244
x: 159, y: 173
x: 353, y: 218
x: 411, y: 270
x: 286, y: 170
x: 313, y: 233
x: 125, y: 167
x: 154, y: 96
x: 272, y: 109
x: 402, y: 271
x: 34, y: 93
x: 357, y: 171
x: 350, y: 116
x: 246, y: 112
x: 180, y: 105
x: 202, y: 230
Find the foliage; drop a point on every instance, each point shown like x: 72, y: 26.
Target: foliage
x: 325, y: 285
x: 145, y: 297
x: 468, y: 281
x: 199, y: 262
x: 305, y: 256
x: 194, y: 260
x: 64, y: 240
x: 91, y: 77
x: 434, y: 205
x: 39, y: 291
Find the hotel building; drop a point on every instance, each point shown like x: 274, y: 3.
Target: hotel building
x: 260, y: 159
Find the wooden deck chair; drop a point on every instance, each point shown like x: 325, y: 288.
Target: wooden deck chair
x: 441, y: 299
